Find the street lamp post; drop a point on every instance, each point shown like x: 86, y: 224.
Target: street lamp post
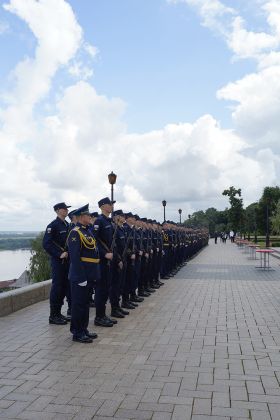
x: 112, y: 180
x: 180, y: 213
x: 164, y: 205
x: 267, y: 227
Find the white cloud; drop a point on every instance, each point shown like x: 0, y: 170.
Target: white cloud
x: 4, y: 27
x: 91, y: 49
x: 67, y: 155
x: 80, y: 71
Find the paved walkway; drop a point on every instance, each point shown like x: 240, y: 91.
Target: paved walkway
x: 205, y: 346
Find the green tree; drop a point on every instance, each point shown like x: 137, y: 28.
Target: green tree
x: 235, y: 212
x: 250, y: 219
x: 275, y: 220
x: 40, y: 268
x: 267, y: 207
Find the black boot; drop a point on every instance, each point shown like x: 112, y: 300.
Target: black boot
x: 116, y: 313
x: 135, y: 298
x: 56, y: 317
x: 127, y: 305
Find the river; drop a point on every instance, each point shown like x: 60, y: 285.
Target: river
x: 13, y: 263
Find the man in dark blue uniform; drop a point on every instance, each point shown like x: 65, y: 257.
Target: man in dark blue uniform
x: 105, y: 233
x: 73, y: 219
x: 54, y: 243
x: 83, y: 273
x: 119, y: 267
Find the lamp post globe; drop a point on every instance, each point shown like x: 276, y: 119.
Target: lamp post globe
x: 180, y: 213
x: 112, y: 180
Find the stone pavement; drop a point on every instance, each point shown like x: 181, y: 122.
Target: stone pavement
x: 205, y: 346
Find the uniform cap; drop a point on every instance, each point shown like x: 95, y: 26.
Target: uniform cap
x: 127, y: 215
x: 94, y: 214
x: 60, y: 206
x: 118, y: 213
x: 82, y: 210
x: 105, y: 200
x: 71, y: 214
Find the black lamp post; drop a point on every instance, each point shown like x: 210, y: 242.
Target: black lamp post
x: 267, y: 227
x: 255, y: 227
x: 164, y: 205
x: 112, y: 180
x: 180, y: 212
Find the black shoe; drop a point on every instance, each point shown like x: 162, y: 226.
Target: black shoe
x: 122, y: 311
x: 92, y: 304
x: 133, y: 304
x: 103, y: 322
x: 149, y: 290
x: 127, y: 305
x: 91, y: 335
x: 136, y: 298
x: 114, y: 321
x: 165, y: 277
x: 82, y: 339
x: 57, y: 320
x: 67, y: 316
x: 161, y: 283
x: 155, y: 286
x: 116, y: 313
x: 144, y: 294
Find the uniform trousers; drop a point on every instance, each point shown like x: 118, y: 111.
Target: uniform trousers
x: 80, y: 308
x: 102, y: 289
x: 60, y: 284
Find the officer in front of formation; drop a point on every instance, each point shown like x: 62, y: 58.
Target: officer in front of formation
x: 84, y: 272
x: 54, y: 243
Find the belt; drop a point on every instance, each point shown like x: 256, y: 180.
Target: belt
x: 165, y: 244
x: 90, y: 260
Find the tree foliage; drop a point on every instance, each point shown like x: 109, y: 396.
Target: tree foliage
x: 236, y: 215
x: 40, y: 268
x: 275, y: 220
x: 267, y: 206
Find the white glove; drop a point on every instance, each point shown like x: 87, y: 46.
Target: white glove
x: 83, y: 284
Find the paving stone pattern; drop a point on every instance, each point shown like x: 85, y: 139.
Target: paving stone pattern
x: 205, y: 346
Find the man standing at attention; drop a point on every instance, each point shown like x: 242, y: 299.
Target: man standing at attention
x: 84, y: 272
x: 54, y: 243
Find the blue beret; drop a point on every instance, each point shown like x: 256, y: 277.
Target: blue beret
x: 105, y: 200
x: 60, y: 206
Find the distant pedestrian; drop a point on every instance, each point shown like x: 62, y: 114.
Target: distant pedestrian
x: 216, y: 236
x: 231, y: 235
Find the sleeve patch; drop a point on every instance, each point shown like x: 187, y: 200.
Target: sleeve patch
x: 49, y: 230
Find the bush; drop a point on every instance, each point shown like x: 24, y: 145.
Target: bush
x: 40, y: 268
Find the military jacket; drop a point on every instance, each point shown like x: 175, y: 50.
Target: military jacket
x: 84, y: 255
x: 104, y: 231
x: 55, y: 237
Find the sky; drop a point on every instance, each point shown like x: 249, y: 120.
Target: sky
x: 180, y: 98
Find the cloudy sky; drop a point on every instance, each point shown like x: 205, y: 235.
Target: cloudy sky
x: 181, y: 98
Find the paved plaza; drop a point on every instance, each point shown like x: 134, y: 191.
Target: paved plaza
x: 204, y: 346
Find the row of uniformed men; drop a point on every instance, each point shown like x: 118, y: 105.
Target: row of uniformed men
x: 121, y: 259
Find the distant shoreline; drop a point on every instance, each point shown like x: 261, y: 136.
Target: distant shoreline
x: 12, y: 241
